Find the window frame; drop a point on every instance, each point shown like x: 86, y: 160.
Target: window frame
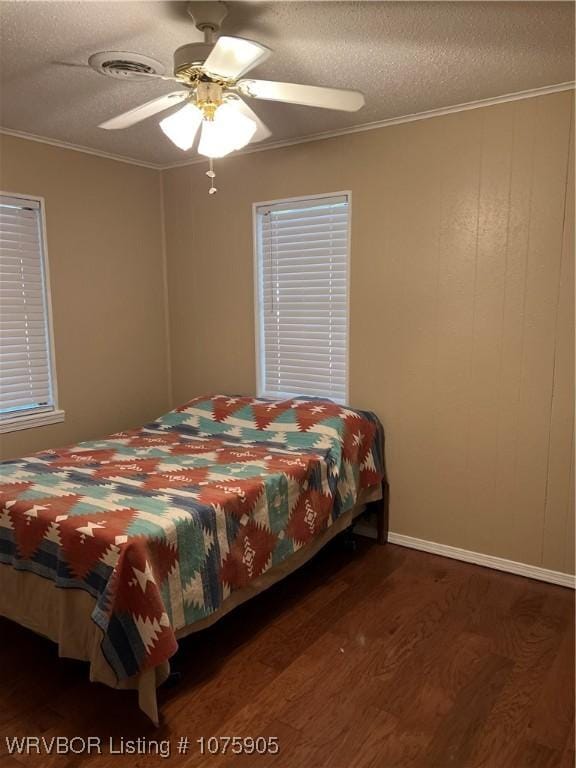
x: 50, y: 414
x: 258, y: 289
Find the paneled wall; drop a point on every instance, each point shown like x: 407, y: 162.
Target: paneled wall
x: 462, y: 276
x: 103, y: 223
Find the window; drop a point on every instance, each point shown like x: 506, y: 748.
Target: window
x: 302, y: 248
x: 27, y: 379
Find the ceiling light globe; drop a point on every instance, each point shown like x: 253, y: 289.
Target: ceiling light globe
x: 230, y: 130
x: 181, y: 127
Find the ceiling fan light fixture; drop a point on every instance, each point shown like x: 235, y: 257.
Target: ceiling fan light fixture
x: 181, y: 127
x: 228, y: 131
x: 213, y: 90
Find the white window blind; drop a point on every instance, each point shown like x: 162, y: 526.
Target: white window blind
x: 25, y: 350
x: 302, y: 262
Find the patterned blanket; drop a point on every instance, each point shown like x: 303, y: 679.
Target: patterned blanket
x: 161, y: 524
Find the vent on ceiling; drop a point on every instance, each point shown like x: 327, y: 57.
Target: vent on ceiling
x: 125, y: 65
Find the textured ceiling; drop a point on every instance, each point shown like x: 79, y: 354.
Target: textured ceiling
x: 407, y: 57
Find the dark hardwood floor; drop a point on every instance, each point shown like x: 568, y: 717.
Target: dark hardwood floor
x: 378, y: 658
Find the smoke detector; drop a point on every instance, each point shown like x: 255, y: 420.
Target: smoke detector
x: 124, y: 65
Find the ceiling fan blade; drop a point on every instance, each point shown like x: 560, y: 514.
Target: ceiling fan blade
x: 148, y: 109
x: 262, y: 131
x: 154, y: 76
x: 71, y: 64
x: 308, y: 95
x: 232, y: 57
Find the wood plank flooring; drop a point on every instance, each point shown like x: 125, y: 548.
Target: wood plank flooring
x: 379, y: 658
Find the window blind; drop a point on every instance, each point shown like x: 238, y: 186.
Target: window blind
x: 302, y: 249
x: 25, y: 376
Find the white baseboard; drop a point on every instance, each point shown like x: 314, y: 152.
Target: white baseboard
x: 488, y: 561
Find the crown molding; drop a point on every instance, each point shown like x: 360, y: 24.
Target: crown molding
x: 79, y: 148
x: 516, y: 96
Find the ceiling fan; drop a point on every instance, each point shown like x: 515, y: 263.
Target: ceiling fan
x: 213, y: 86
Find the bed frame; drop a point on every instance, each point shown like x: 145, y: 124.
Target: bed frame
x: 380, y: 509
x: 377, y: 510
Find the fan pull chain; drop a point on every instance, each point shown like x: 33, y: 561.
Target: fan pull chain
x: 211, y: 175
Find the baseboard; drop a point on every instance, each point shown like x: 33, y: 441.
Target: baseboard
x: 488, y: 561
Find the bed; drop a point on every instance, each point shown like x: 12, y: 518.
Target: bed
x: 117, y: 548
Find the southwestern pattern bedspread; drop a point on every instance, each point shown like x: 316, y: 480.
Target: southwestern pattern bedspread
x: 161, y: 524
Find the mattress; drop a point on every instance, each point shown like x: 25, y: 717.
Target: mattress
x: 160, y: 530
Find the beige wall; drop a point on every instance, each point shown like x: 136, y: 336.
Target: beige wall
x: 461, y: 310
x: 103, y: 221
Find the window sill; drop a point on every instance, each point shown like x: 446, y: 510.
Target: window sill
x: 32, y: 420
